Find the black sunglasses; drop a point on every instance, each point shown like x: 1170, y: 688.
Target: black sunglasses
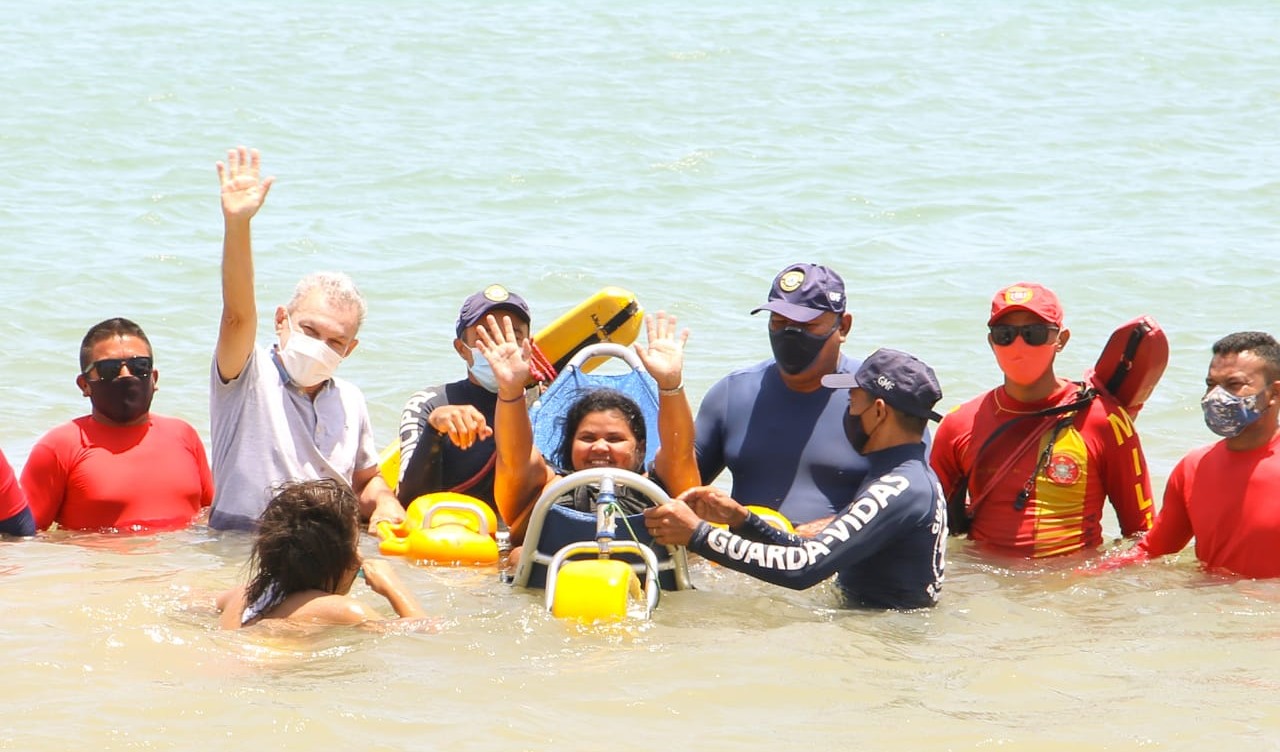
x: 1033, y: 334
x: 109, y: 368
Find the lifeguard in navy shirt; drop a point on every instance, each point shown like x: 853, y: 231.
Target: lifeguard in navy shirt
x: 774, y: 425
x: 886, y: 545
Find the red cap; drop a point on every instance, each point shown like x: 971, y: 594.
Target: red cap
x: 1030, y: 297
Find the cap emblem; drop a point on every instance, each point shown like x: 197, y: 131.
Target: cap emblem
x: 791, y: 281
x: 1017, y: 295
x: 496, y: 293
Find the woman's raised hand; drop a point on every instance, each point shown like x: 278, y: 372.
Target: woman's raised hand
x: 508, y: 356
x: 663, y: 356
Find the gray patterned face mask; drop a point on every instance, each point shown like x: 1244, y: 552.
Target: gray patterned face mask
x: 1228, y: 415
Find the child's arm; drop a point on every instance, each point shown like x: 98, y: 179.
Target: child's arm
x: 383, y: 580
x: 231, y: 604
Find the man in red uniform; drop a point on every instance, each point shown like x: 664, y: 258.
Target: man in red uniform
x: 1037, y: 455
x: 15, y: 516
x: 121, y: 466
x: 1227, y: 494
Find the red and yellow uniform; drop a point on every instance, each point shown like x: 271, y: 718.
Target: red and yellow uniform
x: 1230, y: 502
x: 1096, y: 455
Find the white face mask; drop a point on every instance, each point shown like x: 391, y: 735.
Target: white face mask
x: 482, y: 371
x: 307, y: 360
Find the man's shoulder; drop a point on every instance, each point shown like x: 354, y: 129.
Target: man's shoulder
x: 754, y: 371
x: 1192, y: 459
x: 346, y: 389
x: 966, y: 412
x: 173, y: 425
x: 254, y: 370
x: 63, y: 433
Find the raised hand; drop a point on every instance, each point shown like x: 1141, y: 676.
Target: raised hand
x: 243, y: 188
x: 508, y: 356
x: 663, y: 357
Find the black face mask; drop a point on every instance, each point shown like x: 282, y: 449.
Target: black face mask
x: 122, y: 400
x: 794, y: 349
x: 855, y: 433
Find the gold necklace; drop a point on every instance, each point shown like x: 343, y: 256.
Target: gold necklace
x: 996, y: 395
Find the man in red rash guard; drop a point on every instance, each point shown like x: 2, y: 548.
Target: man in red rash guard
x: 121, y: 466
x: 1227, y: 494
x: 1037, y: 488
x: 15, y: 516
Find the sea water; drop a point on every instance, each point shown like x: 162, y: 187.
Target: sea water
x: 1125, y: 154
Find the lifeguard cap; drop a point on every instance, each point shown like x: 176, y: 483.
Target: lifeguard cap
x: 491, y: 298
x: 803, y: 292
x: 900, y: 379
x: 1030, y: 297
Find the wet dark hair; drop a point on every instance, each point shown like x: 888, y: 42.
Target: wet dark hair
x: 108, y: 329
x: 307, y: 539
x: 598, y: 401
x: 1259, y: 343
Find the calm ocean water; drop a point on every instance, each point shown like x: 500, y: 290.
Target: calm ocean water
x: 1125, y: 154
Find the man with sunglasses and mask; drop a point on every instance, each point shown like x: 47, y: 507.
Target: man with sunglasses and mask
x: 774, y: 425
x: 279, y: 414
x: 122, y: 467
x: 1028, y: 465
x: 1227, y: 494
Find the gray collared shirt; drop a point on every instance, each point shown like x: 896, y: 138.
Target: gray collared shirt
x: 267, y: 431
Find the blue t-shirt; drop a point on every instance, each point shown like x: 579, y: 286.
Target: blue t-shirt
x: 888, y: 546
x: 786, y: 449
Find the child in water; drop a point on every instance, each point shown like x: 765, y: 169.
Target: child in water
x: 305, y: 559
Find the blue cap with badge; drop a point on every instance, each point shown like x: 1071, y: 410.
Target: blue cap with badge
x: 493, y: 297
x: 901, y: 379
x: 803, y: 292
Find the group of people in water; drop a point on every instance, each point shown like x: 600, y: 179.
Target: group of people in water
x: 838, y: 446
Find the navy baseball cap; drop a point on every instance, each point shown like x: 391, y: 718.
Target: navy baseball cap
x: 491, y: 298
x: 900, y: 379
x: 803, y: 292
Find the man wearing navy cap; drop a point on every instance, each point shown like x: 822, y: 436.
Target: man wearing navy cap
x: 887, y: 545
x: 774, y: 425
x: 461, y: 411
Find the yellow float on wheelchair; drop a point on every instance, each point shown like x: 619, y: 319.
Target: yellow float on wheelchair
x: 443, y: 528
x: 591, y: 590
x: 772, y: 517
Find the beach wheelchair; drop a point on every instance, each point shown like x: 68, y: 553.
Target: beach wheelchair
x: 593, y: 564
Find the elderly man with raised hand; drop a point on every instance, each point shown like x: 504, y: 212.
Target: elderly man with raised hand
x: 279, y: 414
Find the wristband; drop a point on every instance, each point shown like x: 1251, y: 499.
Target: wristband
x: 517, y: 398
x: 672, y: 391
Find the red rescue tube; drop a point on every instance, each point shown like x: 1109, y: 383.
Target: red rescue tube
x: 1132, y: 363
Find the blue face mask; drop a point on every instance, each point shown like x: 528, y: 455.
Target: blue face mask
x: 1228, y: 415
x: 482, y: 372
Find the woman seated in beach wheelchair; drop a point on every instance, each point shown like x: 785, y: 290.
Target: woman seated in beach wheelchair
x: 570, y: 482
